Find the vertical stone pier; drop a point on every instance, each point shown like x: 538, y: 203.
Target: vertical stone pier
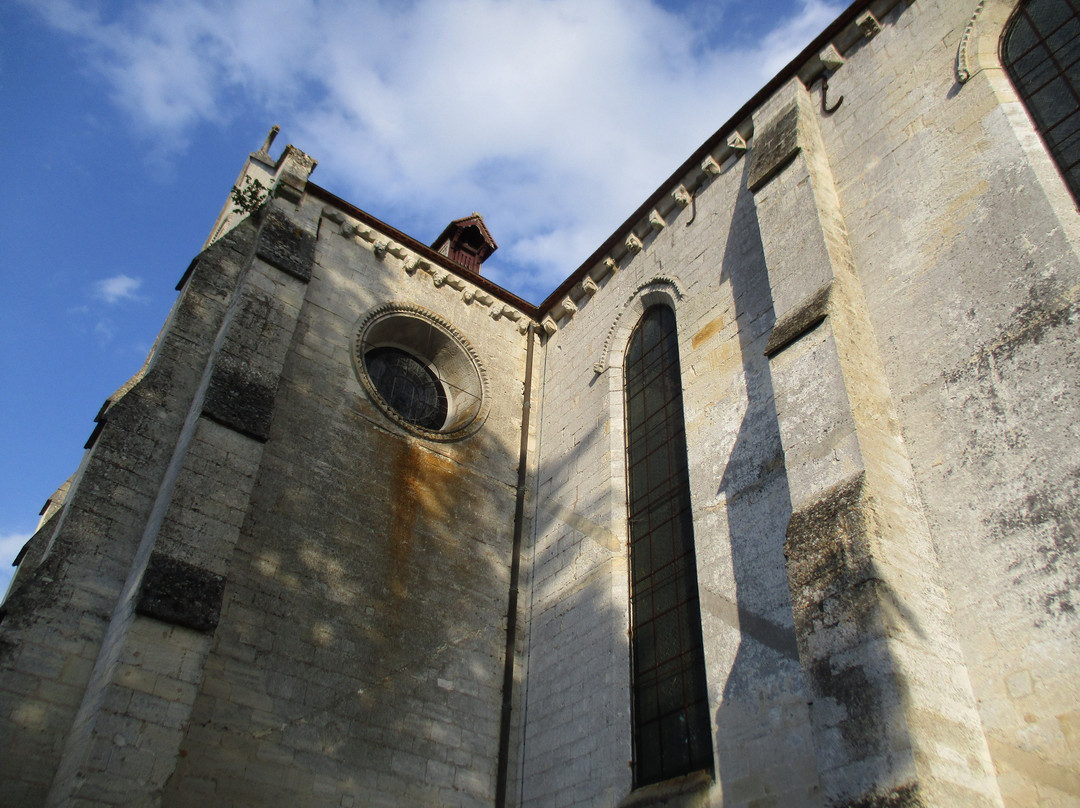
x: 126, y: 736
x: 894, y: 718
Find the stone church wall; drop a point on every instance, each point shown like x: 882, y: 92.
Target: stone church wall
x: 707, y: 264
x: 355, y: 578
x: 261, y: 588
x: 363, y: 629
x: 940, y: 198
x: 967, y: 244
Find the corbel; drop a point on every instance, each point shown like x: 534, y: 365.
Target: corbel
x: 831, y: 58
x: 868, y: 24
x: 710, y: 166
x: 418, y: 263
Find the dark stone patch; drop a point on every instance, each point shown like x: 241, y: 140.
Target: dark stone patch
x: 774, y: 147
x: 801, y: 320
x: 828, y: 559
x: 286, y: 246
x: 863, y: 726
x: 1052, y: 514
x: 214, y: 271
x: 240, y: 399
x: 905, y: 796
x: 174, y: 591
x: 1044, y: 310
x: 37, y: 582
x: 836, y: 603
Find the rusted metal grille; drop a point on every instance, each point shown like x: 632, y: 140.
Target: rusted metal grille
x: 1041, y: 53
x: 671, y: 712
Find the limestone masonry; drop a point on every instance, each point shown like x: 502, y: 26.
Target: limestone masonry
x: 773, y: 502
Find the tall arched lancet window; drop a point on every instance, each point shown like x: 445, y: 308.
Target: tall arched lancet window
x: 672, y: 733
x: 1040, y: 50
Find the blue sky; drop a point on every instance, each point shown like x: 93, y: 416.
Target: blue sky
x: 126, y: 123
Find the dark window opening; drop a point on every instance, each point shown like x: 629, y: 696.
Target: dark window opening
x: 467, y: 248
x: 408, y: 385
x: 672, y: 731
x: 1040, y: 51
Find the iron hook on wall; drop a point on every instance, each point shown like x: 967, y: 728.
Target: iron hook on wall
x: 824, y: 96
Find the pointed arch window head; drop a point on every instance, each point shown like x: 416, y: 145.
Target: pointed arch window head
x: 1040, y: 51
x: 672, y: 731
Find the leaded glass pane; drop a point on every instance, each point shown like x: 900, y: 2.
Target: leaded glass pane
x: 409, y: 386
x: 1041, y: 53
x: 671, y: 718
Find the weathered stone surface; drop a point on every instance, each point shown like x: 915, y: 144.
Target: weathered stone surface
x: 773, y: 148
x: 62, y: 600
x: 176, y: 592
x: 876, y: 313
x: 286, y: 245
x: 240, y: 398
x: 799, y: 321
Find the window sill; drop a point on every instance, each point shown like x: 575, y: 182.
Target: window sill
x: 678, y: 792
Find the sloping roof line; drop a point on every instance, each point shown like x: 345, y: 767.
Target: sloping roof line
x: 833, y: 31
x: 846, y: 18
x: 473, y: 218
x: 426, y: 252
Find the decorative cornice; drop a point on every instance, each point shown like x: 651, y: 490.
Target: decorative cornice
x: 412, y: 263
x: 368, y: 225
x: 843, y: 31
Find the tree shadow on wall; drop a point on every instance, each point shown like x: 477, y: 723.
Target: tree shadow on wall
x: 361, y: 644
x: 578, y: 645
x: 764, y: 743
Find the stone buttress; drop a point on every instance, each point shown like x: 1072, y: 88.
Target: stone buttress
x: 894, y: 718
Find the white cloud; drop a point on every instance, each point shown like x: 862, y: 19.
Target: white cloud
x: 105, y: 331
x: 554, y: 118
x: 785, y: 41
x: 117, y: 288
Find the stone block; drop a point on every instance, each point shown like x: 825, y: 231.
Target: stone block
x: 286, y: 245
x: 177, y: 592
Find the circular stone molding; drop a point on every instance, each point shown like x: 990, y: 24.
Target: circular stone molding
x: 421, y: 372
